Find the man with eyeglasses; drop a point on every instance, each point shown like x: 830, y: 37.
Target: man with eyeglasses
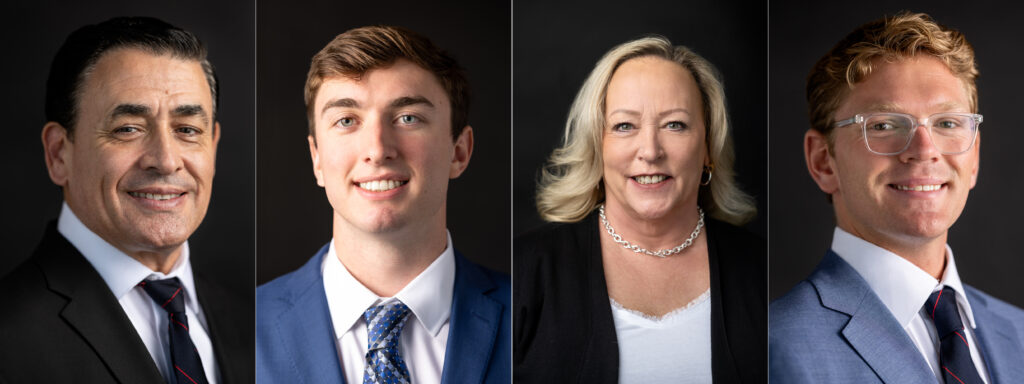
x: 894, y: 142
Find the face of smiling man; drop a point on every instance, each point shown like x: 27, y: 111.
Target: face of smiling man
x: 899, y: 202
x: 383, y: 149
x: 139, y: 169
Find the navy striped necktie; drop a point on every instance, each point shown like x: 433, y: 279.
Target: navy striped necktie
x: 954, y: 353
x: 167, y: 293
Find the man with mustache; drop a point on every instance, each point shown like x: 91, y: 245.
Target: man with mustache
x: 109, y: 295
x: 388, y: 299
x: 894, y: 142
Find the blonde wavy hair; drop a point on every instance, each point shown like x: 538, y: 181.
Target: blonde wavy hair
x: 902, y: 36
x: 570, y: 185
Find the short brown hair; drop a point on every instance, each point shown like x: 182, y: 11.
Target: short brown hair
x: 357, y: 51
x: 899, y: 37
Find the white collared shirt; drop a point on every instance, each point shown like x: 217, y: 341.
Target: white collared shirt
x: 122, y: 274
x: 425, y: 336
x: 904, y: 288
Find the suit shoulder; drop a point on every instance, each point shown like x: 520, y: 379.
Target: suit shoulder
x: 793, y: 308
x: 996, y: 305
x: 272, y: 294
x: 502, y: 283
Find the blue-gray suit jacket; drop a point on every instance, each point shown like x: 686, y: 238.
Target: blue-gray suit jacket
x: 832, y: 328
x: 295, y: 338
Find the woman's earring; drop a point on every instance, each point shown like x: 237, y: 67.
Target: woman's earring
x: 705, y: 176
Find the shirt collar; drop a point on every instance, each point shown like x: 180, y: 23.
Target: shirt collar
x: 901, y: 285
x: 120, y: 271
x: 428, y: 296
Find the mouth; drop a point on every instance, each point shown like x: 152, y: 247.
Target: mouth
x: 649, y: 179
x: 918, y: 187
x: 155, y: 196
x: 381, y: 185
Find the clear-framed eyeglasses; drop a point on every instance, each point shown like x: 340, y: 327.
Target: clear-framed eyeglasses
x: 891, y: 133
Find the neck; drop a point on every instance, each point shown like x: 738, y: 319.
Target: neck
x: 928, y: 254
x: 158, y: 261
x: 386, y: 262
x: 655, y: 233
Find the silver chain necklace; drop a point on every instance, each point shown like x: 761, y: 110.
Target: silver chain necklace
x: 661, y: 252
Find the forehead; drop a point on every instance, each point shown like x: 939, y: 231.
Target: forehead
x: 648, y: 79
x: 380, y: 86
x: 135, y: 76
x: 920, y: 84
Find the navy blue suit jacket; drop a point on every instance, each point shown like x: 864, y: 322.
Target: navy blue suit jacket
x: 832, y: 328
x: 295, y: 341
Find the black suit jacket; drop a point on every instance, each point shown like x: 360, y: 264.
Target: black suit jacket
x: 61, y: 324
x: 563, y: 331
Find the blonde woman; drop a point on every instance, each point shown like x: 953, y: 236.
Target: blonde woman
x: 642, y: 275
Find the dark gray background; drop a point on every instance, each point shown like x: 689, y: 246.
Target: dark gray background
x: 985, y: 238
x: 293, y: 212
x: 223, y: 246
x: 557, y: 45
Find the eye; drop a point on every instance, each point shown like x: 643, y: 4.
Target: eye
x: 947, y: 124
x: 622, y: 127
x: 189, y: 131
x: 408, y: 119
x: 676, y: 125
x: 882, y: 126
x: 345, y: 122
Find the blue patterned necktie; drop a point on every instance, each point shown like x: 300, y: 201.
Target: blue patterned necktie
x: 188, y: 369
x: 954, y: 354
x: 384, y: 365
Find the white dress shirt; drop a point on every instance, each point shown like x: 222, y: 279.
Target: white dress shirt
x: 904, y: 288
x: 122, y: 274
x: 668, y: 348
x: 425, y: 335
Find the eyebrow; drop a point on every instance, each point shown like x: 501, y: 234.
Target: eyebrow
x: 190, y: 110
x: 411, y: 100
x: 896, y: 108
x: 129, y: 110
x: 660, y: 115
x: 339, y: 103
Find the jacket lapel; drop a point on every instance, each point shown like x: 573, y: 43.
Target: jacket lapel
x: 872, y: 330
x: 94, y: 312
x: 474, y: 325
x: 304, y: 329
x: 228, y: 320
x: 1000, y: 345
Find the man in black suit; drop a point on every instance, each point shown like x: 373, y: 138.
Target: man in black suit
x: 109, y: 294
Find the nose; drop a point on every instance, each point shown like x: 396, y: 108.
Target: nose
x: 162, y: 152
x: 921, y: 147
x: 379, y: 142
x: 650, y: 145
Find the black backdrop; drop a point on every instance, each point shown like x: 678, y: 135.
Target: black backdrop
x: 223, y: 246
x: 294, y: 216
x: 983, y: 239
x: 557, y: 44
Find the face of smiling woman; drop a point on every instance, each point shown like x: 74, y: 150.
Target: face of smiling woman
x: 653, y: 146
x: 140, y: 168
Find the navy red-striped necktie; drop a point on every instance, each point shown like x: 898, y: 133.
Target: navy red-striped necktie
x: 954, y: 353
x: 167, y: 293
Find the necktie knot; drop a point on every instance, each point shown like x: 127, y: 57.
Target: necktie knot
x: 384, y: 363
x: 944, y: 311
x: 167, y: 293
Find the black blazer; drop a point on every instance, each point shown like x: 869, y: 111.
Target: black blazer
x: 562, y: 321
x: 61, y: 324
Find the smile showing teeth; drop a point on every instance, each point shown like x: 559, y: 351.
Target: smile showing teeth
x: 154, y: 196
x: 650, y: 179
x: 919, y: 188
x: 381, y: 185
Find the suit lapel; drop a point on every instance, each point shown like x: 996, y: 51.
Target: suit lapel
x: 473, y: 327
x: 872, y: 330
x: 304, y: 330
x: 94, y: 312
x: 227, y: 319
x: 1000, y: 346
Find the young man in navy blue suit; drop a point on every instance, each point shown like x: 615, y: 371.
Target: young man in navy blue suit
x: 388, y: 299
x: 894, y: 142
